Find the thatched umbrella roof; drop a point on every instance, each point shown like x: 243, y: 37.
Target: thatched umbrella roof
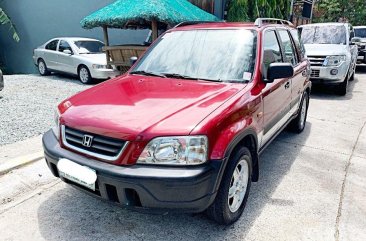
x: 122, y: 12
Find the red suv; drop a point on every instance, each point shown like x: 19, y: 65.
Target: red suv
x: 183, y: 129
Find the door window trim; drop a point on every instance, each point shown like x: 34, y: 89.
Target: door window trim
x: 292, y: 43
x: 262, y: 49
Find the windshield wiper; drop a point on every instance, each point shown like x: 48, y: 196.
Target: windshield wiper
x: 147, y: 73
x: 180, y: 76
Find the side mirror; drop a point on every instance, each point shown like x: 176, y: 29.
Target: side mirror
x: 67, y: 51
x: 355, y: 40
x: 133, y: 60
x: 279, y: 71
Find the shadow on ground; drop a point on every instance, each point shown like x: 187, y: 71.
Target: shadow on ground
x: 71, y: 215
x: 70, y: 79
x: 328, y: 92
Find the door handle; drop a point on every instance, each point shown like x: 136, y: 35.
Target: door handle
x: 287, y: 85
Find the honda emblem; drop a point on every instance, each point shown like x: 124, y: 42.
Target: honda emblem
x: 87, y: 140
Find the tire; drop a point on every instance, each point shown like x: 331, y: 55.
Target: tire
x: 342, y: 88
x: 353, y: 74
x: 298, y: 124
x: 223, y: 210
x: 84, y: 75
x: 42, y: 68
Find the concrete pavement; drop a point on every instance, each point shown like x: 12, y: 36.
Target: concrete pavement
x: 312, y: 187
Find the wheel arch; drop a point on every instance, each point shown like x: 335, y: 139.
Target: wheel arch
x: 249, y: 139
x: 82, y: 65
x: 39, y: 59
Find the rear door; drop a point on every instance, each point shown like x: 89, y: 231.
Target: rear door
x: 50, y: 54
x: 276, y: 95
x: 299, y: 63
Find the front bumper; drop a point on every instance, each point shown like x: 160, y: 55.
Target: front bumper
x: 361, y: 58
x: 183, y: 189
x: 104, y: 73
x: 322, y: 74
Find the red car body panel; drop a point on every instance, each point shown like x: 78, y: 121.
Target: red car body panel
x: 140, y: 108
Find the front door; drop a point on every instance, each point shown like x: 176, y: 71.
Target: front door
x: 65, y: 61
x: 276, y: 95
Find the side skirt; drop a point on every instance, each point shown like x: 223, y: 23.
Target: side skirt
x: 277, y: 133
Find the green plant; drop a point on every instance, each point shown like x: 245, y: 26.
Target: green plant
x: 333, y: 10
x: 4, y: 19
x: 238, y: 11
x: 244, y: 10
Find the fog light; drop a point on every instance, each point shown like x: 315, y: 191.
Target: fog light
x: 334, y: 72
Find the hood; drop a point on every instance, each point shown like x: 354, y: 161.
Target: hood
x: 325, y: 49
x: 95, y: 58
x: 132, y: 106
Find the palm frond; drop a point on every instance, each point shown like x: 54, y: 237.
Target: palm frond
x: 4, y: 19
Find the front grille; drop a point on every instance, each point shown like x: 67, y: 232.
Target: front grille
x: 100, y: 146
x: 315, y: 73
x: 316, y: 60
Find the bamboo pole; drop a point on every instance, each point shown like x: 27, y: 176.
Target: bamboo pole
x: 154, y: 28
x: 106, y: 42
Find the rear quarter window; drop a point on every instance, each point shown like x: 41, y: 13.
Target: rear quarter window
x: 296, y: 36
x: 52, y: 45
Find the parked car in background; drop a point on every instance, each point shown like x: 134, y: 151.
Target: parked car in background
x: 77, y: 56
x: 183, y: 129
x: 360, y: 41
x: 1, y: 80
x: 331, y: 53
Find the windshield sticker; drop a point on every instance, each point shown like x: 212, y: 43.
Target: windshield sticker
x: 247, y: 76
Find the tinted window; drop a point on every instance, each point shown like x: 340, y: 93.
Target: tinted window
x: 220, y: 55
x: 299, y: 45
x: 271, y: 51
x: 288, y: 48
x: 360, y: 32
x: 87, y: 46
x: 63, y: 46
x: 52, y: 45
x: 324, y: 34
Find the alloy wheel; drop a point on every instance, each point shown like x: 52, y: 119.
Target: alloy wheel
x: 238, y: 185
x: 84, y: 75
x: 303, y: 112
x: 41, y: 67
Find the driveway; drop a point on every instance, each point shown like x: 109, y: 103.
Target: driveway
x: 28, y: 102
x: 312, y: 187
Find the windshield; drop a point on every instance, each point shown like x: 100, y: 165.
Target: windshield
x: 330, y: 34
x: 87, y: 46
x: 217, y: 55
x: 360, y: 32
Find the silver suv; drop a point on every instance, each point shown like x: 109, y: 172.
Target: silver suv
x: 360, y: 41
x: 331, y: 53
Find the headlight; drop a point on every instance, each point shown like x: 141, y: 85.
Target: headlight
x: 99, y: 66
x: 56, y: 128
x: 334, y: 60
x: 175, y: 150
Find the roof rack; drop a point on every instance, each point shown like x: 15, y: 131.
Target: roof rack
x: 260, y: 21
x: 194, y: 23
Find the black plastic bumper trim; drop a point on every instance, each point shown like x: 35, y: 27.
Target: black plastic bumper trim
x: 183, y: 189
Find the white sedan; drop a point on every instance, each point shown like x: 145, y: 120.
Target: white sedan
x: 77, y: 56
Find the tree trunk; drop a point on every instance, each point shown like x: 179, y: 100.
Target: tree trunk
x: 106, y: 42
x: 154, y: 28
